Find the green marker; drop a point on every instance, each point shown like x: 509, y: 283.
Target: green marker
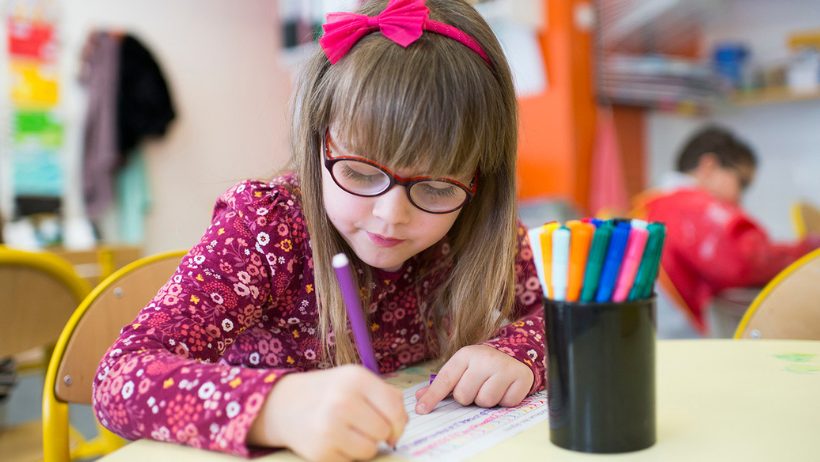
x: 656, y: 266
x: 648, y: 270
x: 595, y: 261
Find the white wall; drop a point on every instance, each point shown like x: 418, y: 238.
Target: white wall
x: 785, y: 136
x: 231, y: 94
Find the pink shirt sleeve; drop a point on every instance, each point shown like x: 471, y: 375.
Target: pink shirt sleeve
x: 523, y: 338
x: 163, y: 378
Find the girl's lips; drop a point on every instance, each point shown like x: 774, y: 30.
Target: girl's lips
x: 383, y: 241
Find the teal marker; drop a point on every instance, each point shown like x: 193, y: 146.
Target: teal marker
x: 654, y: 246
x: 595, y: 260
x: 656, y: 263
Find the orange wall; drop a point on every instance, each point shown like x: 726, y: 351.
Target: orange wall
x: 556, y: 127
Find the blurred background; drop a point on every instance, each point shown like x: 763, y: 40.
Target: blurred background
x: 122, y: 121
x: 609, y: 90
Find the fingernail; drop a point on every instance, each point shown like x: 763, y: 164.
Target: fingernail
x: 421, y: 408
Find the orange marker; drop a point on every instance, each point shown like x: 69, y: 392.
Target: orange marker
x: 546, y: 253
x: 580, y: 240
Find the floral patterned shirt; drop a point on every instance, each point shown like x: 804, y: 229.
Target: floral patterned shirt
x: 199, y: 360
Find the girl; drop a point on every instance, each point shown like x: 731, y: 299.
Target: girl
x: 404, y: 144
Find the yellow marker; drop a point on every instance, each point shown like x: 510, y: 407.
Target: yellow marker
x: 546, y: 253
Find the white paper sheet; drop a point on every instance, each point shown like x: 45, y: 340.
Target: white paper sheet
x: 454, y: 432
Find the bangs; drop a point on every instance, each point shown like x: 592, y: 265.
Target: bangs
x: 434, y: 113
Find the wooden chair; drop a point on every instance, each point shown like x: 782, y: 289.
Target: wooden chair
x: 92, y: 328
x: 39, y: 293
x: 789, y: 306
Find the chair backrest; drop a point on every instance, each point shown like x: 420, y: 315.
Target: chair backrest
x: 806, y: 219
x: 98, y: 320
x: 789, y: 306
x: 38, y: 293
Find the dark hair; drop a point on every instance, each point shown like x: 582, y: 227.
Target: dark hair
x: 720, y: 142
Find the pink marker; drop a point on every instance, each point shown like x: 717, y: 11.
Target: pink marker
x: 631, y: 261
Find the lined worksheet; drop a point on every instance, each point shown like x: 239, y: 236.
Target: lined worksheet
x: 454, y: 432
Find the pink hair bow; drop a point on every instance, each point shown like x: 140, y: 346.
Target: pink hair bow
x: 402, y: 21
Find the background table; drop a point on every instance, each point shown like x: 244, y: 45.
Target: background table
x: 749, y: 400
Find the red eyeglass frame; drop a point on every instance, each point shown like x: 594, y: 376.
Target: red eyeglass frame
x: 407, y: 182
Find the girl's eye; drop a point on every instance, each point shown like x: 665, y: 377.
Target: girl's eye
x: 439, y: 189
x: 360, y: 172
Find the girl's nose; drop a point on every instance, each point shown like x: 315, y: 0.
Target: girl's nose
x: 393, y: 206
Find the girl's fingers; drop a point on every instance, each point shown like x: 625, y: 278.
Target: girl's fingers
x: 388, y: 402
x: 515, y: 393
x: 356, y: 446
x: 369, y: 421
x: 421, y: 391
x: 443, y: 385
x: 492, y: 390
x: 467, y: 388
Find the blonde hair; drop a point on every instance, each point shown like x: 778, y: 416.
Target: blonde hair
x: 435, y: 107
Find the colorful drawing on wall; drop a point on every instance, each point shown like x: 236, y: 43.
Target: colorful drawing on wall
x: 33, y: 85
x: 32, y: 40
x: 37, y: 172
x: 36, y: 130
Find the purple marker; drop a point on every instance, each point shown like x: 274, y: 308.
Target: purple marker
x: 354, y: 311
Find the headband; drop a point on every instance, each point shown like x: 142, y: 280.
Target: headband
x: 402, y: 21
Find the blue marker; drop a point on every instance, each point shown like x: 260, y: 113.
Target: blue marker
x: 612, y: 263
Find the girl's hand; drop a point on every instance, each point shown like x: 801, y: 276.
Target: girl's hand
x: 338, y: 414
x: 478, y: 374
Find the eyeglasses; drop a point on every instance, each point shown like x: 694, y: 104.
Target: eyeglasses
x: 365, y: 178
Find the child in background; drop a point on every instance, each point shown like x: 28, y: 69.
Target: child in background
x: 403, y: 157
x: 712, y: 244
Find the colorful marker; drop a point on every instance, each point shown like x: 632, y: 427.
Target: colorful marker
x: 560, y: 262
x: 579, y: 243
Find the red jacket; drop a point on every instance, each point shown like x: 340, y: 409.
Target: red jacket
x: 712, y: 245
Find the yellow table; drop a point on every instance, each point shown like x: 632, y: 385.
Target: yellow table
x: 744, y: 400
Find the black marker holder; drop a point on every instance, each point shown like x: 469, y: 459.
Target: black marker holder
x: 601, y: 375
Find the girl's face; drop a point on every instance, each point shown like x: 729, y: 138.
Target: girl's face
x: 384, y: 231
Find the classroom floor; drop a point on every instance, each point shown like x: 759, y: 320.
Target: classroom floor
x: 25, y: 405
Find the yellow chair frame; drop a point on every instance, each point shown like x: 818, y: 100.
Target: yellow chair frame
x: 74, y: 287
x: 805, y: 219
x: 56, y: 429
x: 770, y: 287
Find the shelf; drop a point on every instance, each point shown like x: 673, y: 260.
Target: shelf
x: 771, y: 96
x: 660, y: 24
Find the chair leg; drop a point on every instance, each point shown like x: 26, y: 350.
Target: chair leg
x: 102, y: 444
x: 55, y: 431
